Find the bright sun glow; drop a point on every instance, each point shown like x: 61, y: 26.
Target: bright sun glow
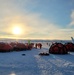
x: 12, y: 74
x: 16, y: 30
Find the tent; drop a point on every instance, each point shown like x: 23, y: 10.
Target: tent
x: 18, y: 46
x: 70, y: 46
x: 5, y: 47
x: 58, y: 48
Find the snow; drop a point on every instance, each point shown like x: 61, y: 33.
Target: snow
x: 13, y: 63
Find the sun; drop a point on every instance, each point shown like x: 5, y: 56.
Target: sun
x: 16, y: 30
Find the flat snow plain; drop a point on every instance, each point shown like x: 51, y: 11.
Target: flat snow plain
x: 13, y: 63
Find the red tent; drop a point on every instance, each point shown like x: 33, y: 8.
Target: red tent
x: 18, y: 46
x: 5, y: 47
x: 28, y: 46
x: 58, y: 48
x: 13, y: 44
x: 70, y: 46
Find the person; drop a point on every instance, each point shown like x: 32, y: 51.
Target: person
x: 40, y: 45
x: 36, y: 45
x: 28, y: 41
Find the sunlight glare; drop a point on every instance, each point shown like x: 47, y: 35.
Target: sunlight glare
x: 16, y: 30
x: 12, y: 74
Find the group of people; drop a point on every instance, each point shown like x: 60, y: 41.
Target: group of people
x: 38, y: 45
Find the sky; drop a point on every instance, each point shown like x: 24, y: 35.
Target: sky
x: 37, y: 19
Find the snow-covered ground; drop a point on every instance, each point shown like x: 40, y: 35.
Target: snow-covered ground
x: 13, y: 63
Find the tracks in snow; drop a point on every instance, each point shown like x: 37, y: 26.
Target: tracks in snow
x: 54, y: 65
x: 46, y: 67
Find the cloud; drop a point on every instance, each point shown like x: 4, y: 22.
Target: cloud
x: 72, y: 19
x: 32, y: 23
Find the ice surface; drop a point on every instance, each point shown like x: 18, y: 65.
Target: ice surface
x: 13, y: 63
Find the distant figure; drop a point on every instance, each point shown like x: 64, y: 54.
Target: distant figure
x: 40, y: 45
x: 36, y: 45
x: 47, y: 43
